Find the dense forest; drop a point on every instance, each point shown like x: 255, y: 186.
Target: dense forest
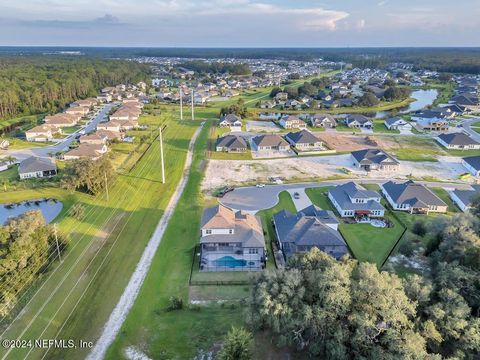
x: 204, y: 67
x: 350, y: 310
x: 33, y: 84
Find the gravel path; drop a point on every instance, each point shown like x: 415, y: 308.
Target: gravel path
x: 118, y: 315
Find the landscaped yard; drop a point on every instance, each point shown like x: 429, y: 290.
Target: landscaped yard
x: 318, y: 197
x: 369, y: 243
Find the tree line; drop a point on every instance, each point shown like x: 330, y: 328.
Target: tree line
x: 32, y: 84
x: 216, y: 67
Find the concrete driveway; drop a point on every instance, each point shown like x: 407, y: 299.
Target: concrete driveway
x: 303, y: 200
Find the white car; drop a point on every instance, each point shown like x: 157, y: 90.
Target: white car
x: 260, y: 185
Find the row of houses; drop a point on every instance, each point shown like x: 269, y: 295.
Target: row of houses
x: 303, y: 140
x: 233, y: 240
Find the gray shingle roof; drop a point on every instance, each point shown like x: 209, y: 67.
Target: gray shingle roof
x: 307, y: 231
x: 473, y: 161
x: 302, y: 137
x: 373, y: 156
x: 270, y: 140
x: 466, y: 196
x: 457, y: 139
x: 394, y: 120
x: 413, y: 194
x: 232, y: 142
x: 33, y: 164
x: 344, y: 193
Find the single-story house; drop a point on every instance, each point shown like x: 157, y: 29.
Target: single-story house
x: 304, y: 140
x: 472, y: 164
x: 62, y: 120
x: 269, y: 142
x: 231, y: 143
x: 323, y: 120
x: 41, y: 133
x: 412, y: 197
x: 463, y: 198
x: 78, y: 110
x: 231, y: 121
x: 457, y: 141
x: 92, y: 151
x: 231, y: 241
x: 352, y: 200
x: 292, y: 122
x: 37, y: 167
x: 396, y: 123
x: 115, y: 126
x: 94, y: 139
x: 309, y: 228
x: 358, y: 121
x: 281, y: 96
x: 374, y: 159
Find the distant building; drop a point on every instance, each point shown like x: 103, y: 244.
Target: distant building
x: 231, y: 121
x: 292, y: 122
x: 269, y: 142
x: 358, y: 121
x: 304, y: 140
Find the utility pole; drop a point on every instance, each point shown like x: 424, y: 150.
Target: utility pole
x: 161, y: 153
x: 56, y: 241
x: 193, y: 113
x: 181, y: 104
x: 106, y: 185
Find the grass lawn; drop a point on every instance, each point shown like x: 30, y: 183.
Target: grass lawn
x: 10, y: 174
x: 369, y: 243
x: 462, y: 153
x: 105, y: 246
x: 411, y: 148
x: 317, y: 197
x: 443, y: 194
x: 70, y: 129
x: 19, y: 144
x: 285, y: 203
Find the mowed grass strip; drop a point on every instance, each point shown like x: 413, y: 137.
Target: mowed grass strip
x: 143, y: 209
x: 175, y: 334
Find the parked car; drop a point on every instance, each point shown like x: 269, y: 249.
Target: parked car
x: 296, y: 195
x: 260, y: 185
x: 224, y: 191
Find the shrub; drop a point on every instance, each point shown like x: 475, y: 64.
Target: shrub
x: 237, y: 345
x: 175, y: 303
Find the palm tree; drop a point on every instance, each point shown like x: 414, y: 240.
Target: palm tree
x: 11, y: 159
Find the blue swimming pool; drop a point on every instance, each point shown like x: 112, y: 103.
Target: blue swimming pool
x: 230, y: 262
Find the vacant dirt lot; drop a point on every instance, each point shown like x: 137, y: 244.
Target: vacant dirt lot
x: 262, y: 126
x: 236, y: 172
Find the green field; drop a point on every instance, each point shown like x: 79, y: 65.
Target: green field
x: 179, y: 334
x: 78, y: 295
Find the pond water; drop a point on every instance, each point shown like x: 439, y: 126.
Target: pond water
x: 50, y: 209
x: 423, y: 98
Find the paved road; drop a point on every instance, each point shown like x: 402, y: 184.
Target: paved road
x: 118, y: 315
x: 467, y: 125
x: 60, y: 146
x: 253, y: 199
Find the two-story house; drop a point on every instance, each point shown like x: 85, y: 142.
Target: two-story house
x: 231, y: 241
x: 352, y: 200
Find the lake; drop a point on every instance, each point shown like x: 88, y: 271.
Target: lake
x: 50, y: 209
x: 423, y: 98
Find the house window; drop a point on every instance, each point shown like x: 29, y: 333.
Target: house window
x: 208, y: 231
x: 253, y: 251
x: 230, y: 231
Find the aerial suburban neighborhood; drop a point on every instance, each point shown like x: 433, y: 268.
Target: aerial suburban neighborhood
x: 240, y: 180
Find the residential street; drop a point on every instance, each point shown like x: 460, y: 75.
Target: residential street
x: 467, y: 125
x: 253, y: 199
x: 60, y: 146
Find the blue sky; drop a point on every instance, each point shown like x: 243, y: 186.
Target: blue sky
x: 240, y: 23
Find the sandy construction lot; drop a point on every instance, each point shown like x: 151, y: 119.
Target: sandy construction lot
x: 235, y: 172
x: 262, y: 126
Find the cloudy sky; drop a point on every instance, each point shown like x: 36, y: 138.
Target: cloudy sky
x: 240, y: 23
